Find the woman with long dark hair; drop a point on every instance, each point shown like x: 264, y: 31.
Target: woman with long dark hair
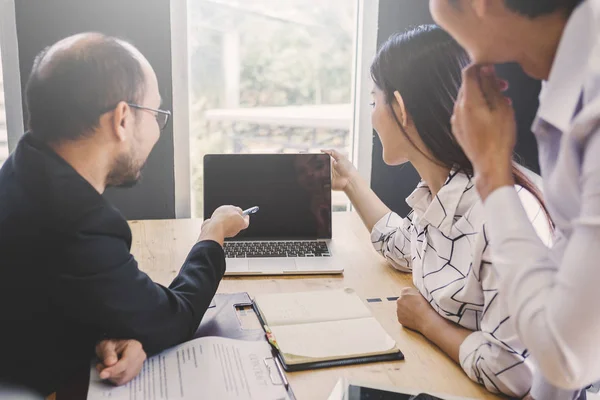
x: 443, y: 241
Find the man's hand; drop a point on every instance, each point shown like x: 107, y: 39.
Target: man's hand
x: 120, y: 360
x: 484, y: 125
x: 414, y: 312
x: 226, y: 222
x: 342, y: 170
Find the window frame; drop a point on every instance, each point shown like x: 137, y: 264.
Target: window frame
x: 13, y: 103
x: 181, y: 108
x: 366, y: 49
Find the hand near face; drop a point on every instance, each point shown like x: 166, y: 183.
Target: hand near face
x: 484, y: 125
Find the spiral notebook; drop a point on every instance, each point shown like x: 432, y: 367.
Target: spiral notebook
x: 323, y: 329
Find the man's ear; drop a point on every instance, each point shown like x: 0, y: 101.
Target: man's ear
x: 120, y: 121
x: 403, y: 117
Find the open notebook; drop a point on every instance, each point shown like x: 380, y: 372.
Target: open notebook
x: 323, y: 329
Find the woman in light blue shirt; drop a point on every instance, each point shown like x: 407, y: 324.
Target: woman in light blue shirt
x: 552, y: 294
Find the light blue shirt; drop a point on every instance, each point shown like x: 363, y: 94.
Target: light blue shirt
x: 554, y: 294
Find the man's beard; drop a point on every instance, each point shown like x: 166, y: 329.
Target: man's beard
x: 125, y: 172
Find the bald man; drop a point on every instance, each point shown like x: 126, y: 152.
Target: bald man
x: 67, y: 277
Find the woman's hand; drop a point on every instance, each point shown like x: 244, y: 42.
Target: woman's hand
x: 345, y: 177
x: 342, y: 170
x: 413, y: 311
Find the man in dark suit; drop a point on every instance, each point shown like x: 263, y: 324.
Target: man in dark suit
x: 67, y: 277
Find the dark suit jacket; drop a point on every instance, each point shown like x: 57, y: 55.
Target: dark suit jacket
x: 68, y: 279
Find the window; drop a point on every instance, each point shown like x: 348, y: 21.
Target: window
x: 270, y: 76
x: 3, y: 133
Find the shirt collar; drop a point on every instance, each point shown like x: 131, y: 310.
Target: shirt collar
x: 561, y: 93
x: 440, y: 211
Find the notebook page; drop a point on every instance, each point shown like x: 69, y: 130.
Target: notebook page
x: 331, y: 340
x: 306, y: 307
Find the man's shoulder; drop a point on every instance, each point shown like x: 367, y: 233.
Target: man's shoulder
x: 37, y: 184
x: 102, y: 219
x: 66, y: 209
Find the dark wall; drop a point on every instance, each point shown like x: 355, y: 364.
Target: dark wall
x: 394, y: 184
x: 146, y: 23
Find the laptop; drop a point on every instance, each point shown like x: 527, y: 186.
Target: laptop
x: 291, y: 232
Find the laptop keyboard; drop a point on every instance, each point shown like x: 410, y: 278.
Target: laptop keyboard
x: 276, y: 249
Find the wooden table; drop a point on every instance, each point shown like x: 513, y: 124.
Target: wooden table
x: 161, y: 247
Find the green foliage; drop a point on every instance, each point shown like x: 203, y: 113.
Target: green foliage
x: 292, y: 52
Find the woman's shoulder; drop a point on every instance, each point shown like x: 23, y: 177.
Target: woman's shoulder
x: 536, y: 214
x: 470, y: 207
x: 474, y: 209
x: 530, y: 202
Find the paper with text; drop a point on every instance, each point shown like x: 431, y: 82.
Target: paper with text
x: 205, y: 368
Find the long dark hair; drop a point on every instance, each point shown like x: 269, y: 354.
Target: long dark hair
x: 424, y: 65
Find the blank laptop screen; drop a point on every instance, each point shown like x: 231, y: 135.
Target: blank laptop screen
x: 293, y: 192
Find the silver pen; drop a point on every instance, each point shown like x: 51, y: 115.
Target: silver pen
x: 251, y: 210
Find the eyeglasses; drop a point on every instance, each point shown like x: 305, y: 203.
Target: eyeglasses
x: 162, y: 116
